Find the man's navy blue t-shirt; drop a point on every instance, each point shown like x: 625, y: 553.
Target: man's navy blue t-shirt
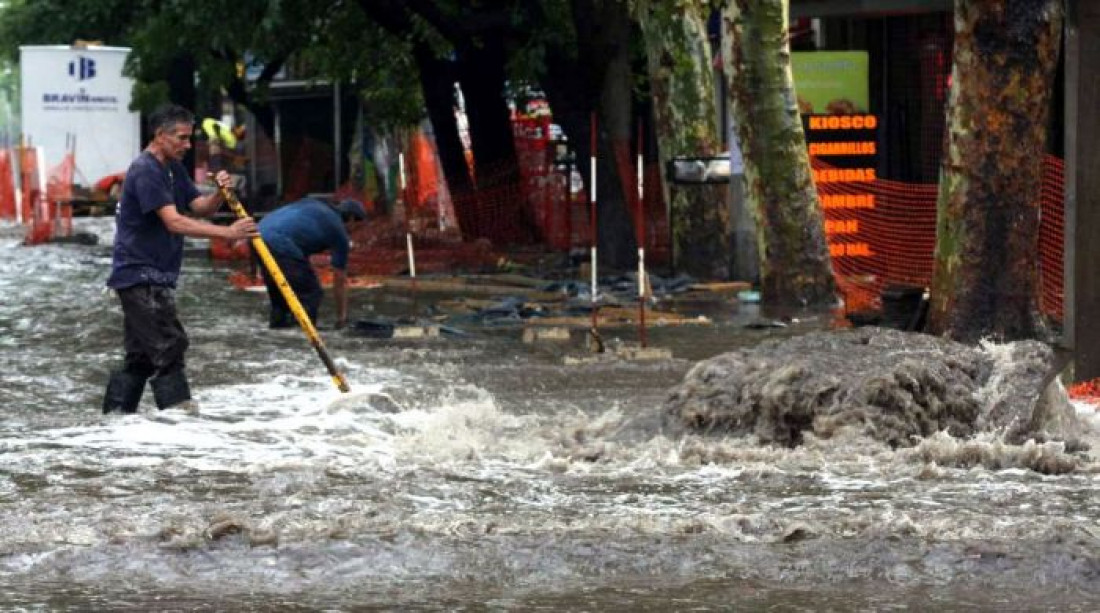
x: 305, y: 227
x: 145, y: 252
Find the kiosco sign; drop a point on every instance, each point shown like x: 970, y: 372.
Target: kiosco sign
x: 80, y: 93
x: 846, y: 147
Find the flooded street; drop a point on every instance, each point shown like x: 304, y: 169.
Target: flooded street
x: 473, y: 472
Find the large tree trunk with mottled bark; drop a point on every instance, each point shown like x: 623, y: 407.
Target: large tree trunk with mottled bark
x: 604, y: 28
x: 685, y: 114
x: 795, y: 268
x: 985, y: 283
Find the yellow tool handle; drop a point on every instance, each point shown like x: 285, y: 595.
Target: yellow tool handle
x: 288, y: 294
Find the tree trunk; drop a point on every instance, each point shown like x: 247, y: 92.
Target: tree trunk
x: 481, y: 75
x: 437, y: 82
x: 685, y: 114
x: 603, y: 34
x: 795, y: 268
x: 617, y: 245
x: 986, y: 274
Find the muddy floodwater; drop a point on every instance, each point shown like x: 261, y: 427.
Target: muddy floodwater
x: 473, y: 472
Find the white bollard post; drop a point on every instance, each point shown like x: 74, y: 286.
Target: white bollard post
x: 594, y: 284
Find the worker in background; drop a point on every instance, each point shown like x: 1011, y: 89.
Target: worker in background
x: 153, y: 215
x: 293, y: 233
x: 224, y: 150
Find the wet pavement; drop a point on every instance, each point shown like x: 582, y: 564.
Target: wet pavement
x: 473, y: 473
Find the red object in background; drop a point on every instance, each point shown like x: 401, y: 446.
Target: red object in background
x: 59, y: 180
x: 106, y: 183
x: 7, y: 186
x: 226, y: 250
x: 1086, y: 391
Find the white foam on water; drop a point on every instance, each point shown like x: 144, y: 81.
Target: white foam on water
x: 240, y: 428
x: 1089, y: 413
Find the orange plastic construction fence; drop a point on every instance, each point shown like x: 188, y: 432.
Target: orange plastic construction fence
x: 7, y: 185
x: 50, y: 209
x: 36, y: 212
x: 883, y: 232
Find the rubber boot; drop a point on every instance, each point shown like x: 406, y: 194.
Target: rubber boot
x: 171, y: 389
x: 279, y: 318
x: 123, y: 392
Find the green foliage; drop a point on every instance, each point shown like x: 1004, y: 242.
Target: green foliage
x: 331, y: 38
x: 61, y: 22
x: 9, y: 100
x: 377, y: 63
x: 542, y: 26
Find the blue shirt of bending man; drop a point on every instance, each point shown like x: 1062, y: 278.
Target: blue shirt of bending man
x: 293, y: 233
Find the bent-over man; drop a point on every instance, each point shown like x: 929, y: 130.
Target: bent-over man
x: 293, y: 233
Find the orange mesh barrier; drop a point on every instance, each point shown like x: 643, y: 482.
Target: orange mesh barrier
x: 59, y: 193
x: 498, y: 211
x: 380, y: 248
x: 59, y: 180
x: 38, y: 214
x: 50, y: 208
x: 645, y: 203
x: 883, y: 232
x: 658, y: 241
x: 7, y: 186
x: 28, y: 181
x: 544, y: 188
x: 542, y: 208
x: 1052, y: 238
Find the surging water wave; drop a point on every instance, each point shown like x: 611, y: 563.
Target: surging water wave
x: 474, y: 473
x: 311, y: 495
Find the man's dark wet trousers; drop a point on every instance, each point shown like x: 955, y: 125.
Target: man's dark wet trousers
x: 301, y: 278
x: 155, y: 343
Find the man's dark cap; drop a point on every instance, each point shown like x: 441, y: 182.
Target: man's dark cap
x: 352, y: 209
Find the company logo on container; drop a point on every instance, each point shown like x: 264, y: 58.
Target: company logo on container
x: 82, y: 68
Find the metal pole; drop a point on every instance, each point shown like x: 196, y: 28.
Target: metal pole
x: 593, y: 233
x: 640, y: 221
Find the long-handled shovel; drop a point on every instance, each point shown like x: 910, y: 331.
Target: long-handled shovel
x: 288, y: 294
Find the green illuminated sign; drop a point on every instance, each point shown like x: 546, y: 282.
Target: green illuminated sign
x: 831, y: 82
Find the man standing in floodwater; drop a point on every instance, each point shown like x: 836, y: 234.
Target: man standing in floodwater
x: 293, y: 233
x: 150, y: 223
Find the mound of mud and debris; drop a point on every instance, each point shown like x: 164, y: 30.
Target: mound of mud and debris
x: 896, y: 387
